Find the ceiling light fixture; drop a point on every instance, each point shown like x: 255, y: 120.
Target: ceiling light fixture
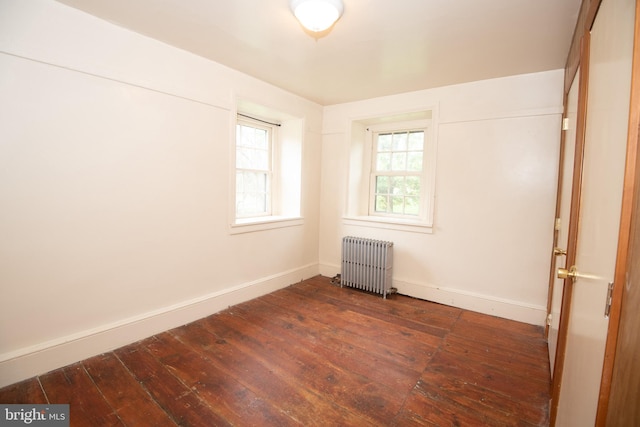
x: 317, y: 15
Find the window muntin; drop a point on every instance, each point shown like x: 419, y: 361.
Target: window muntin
x: 398, y: 173
x: 254, y: 169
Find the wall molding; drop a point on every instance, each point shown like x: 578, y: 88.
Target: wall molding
x: 485, y: 304
x: 35, y: 360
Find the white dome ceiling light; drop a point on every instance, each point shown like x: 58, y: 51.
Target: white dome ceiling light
x: 317, y: 15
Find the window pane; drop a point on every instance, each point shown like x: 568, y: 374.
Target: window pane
x: 261, y: 139
x: 397, y: 204
x: 383, y: 161
x: 412, y: 186
x: 399, y: 161
x: 382, y: 185
x: 247, y: 136
x: 399, y: 142
x: 255, y: 182
x: 242, y: 157
x: 249, y: 204
x: 382, y: 204
x: 250, y: 137
x: 261, y: 160
x: 251, y: 193
x: 239, y: 182
x: 384, y: 142
x: 414, y: 161
x: 411, y: 205
x: 416, y: 141
x: 397, y: 185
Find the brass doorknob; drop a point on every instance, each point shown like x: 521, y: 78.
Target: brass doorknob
x: 573, y: 273
x: 563, y: 273
x: 558, y: 251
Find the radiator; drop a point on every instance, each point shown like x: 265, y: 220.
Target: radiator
x: 367, y: 264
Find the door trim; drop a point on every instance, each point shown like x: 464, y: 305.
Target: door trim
x: 586, y: 17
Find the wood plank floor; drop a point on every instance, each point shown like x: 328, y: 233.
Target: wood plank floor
x: 313, y: 354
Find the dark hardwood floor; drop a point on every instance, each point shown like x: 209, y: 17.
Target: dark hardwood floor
x: 313, y: 354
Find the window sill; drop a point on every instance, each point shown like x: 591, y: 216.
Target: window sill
x: 389, y: 224
x: 250, y: 225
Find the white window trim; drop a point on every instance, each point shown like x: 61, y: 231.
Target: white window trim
x: 264, y: 223
x: 282, y: 214
x: 362, y: 217
x: 387, y: 224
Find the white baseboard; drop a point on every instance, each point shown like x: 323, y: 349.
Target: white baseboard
x: 28, y: 362
x: 500, y: 307
x: 328, y: 270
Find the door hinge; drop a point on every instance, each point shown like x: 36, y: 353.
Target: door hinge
x: 607, y: 307
x: 565, y: 123
x: 557, y: 224
x: 549, y: 318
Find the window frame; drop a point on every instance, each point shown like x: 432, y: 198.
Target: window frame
x: 398, y: 128
x: 271, y: 177
x: 287, y: 147
x: 358, y: 210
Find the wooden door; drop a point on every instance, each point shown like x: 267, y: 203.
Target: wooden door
x: 620, y: 388
x: 597, y: 213
x: 565, y: 176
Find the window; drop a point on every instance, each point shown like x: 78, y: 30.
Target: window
x: 397, y: 173
x: 266, y: 169
x: 392, y: 172
x: 254, y: 164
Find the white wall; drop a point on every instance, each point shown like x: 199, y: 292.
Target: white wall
x: 496, y: 175
x: 114, y: 189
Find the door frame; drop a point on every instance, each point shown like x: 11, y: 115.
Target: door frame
x: 579, y: 57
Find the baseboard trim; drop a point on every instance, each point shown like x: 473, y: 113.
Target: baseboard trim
x: 500, y: 307
x: 28, y: 362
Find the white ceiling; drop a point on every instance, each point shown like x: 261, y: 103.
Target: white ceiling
x: 378, y: 47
